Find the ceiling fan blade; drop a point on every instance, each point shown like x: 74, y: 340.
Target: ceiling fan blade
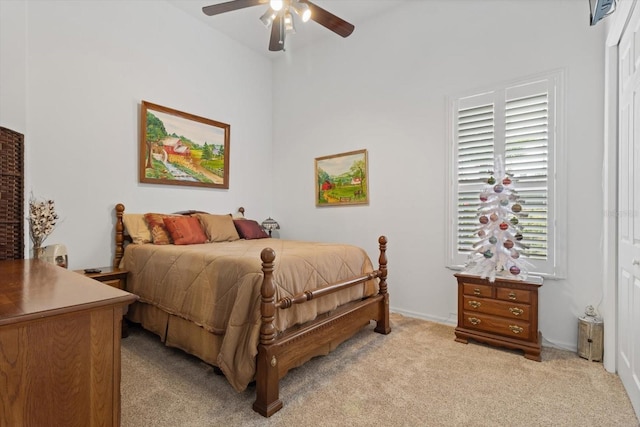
x: 276, y: 42
x: 216, y: 9
x: 329, y: 20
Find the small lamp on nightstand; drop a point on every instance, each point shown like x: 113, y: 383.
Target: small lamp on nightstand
x: 270, y: 224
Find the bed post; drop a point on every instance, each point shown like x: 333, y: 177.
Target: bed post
x: 267, y: 376
x: 382, y: 324
x: 119, y: 235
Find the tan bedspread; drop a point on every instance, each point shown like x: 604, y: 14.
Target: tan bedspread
x: 217, y: 286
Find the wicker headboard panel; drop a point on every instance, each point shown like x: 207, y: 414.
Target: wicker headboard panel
x: 11, y: 194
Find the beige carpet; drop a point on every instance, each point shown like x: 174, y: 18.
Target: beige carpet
x: 416, y: 376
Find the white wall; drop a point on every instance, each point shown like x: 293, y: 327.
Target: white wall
x: 385, y: 89
x: 13, y: 55
x: 88, y: 66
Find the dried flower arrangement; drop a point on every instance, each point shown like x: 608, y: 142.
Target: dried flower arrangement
x: 42, y: 220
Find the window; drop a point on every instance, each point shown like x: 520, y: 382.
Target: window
x: 520, y: 122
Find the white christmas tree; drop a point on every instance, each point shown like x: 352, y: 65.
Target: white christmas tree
x: 500, y: 233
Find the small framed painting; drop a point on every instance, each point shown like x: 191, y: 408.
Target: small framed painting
x: 342, y: 179
x: 178, y: 148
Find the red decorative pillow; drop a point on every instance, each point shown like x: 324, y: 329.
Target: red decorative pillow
x: 249, y: 229
x: 185, y: 230
x: 159, y: 234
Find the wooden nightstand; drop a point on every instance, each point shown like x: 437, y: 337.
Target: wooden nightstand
x: 114, y: 277
x: 501, y: 313
x: 111, y: 276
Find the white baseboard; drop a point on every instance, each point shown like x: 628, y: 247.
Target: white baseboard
x: 452, y: 320
x: 446, y: 321
x: 561, y: 345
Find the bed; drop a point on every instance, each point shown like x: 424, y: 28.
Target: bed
x: 253, y: 315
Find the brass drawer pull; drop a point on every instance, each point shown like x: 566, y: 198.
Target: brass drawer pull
x: 474, y: 320
x: 475, y: 304
x: 516, y: 329
x: 516, y: 311
x: 512, y: 296
x: 476, y: 291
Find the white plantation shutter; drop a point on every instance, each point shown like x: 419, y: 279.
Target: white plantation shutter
x: 518, y: 122
x: 527, y: 158
x: 475, y: 128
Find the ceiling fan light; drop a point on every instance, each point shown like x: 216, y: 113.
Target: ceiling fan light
x: 303, y: 11
x: 289, y: 28
x: 268, y: 17
x: 276, y: 4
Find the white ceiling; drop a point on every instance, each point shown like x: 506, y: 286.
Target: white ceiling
x: 244, y: 25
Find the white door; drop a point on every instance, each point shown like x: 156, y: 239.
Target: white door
x: 628, y: 286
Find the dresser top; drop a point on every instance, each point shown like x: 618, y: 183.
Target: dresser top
x: 32, y: 289
x: 536, y: 281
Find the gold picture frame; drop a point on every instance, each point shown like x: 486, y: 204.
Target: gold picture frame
x: 342, y: 179
x: 178, y: 148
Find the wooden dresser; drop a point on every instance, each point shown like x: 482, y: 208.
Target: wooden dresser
x: 502, y: 313
x: 59, y: 347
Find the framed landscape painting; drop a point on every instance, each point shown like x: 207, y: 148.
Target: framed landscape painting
x: 342, y: 179
x: 178, y: 148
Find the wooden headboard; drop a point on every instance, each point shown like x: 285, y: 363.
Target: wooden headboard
x: 122, y: 238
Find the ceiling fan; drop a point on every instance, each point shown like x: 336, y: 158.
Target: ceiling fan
x: 279, y: 16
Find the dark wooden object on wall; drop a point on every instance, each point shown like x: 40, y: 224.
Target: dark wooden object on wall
x: 11, y: 194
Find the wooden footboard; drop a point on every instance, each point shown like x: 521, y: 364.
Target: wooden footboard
x: 278, y: 354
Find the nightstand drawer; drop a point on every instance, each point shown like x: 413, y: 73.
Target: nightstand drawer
x: 116, y: 283
x: 111, y: 276
x: 509, y: 294
x: 505, y: 309
x: 498, y: 325
x: 477, y: 290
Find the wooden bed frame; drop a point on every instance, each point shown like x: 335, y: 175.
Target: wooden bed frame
x: 278, y: 353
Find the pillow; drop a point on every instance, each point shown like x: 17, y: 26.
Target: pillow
x: 219, y: 228
x: 249, y: 229
x: 159, y: 234
x: 137, y: 228
x: 184, y: 230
